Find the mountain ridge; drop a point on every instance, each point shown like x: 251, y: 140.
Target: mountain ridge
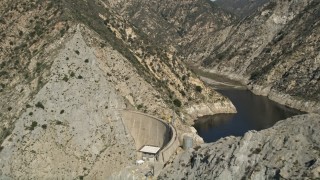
x: 269, y: 59
x: 244, y: 49
x: 65, y: 67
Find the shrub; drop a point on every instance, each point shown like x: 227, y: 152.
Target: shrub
x: 182, y: 93
x: 177, y: 102
x: 221, y: 55
x: 38, y: 67
x: 2, y: 21
x: 257, y: 151
x: 77, y: 52
x: 198, y: 89
x: 20, y: 33
x: 86, y: 61
x: 255, y: 75
x: 62, y: 32
x: 39, y: 105
x: 33, y: 125
x: 2, y: 65
x: 184, y: 77
x: 140, y: 106
x: 2, y: 86
x: 65, y: 78
x: 38, y: 29
x: 4, y: 73
x: 44, y: 126
x: 50, y: 5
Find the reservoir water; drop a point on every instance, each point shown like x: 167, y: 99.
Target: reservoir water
x: 253, y: 113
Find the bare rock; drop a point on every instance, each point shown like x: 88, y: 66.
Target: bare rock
x: 290, y: 149
x: 68, y: 132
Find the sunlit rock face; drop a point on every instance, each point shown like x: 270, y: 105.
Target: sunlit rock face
x: 288, y: 150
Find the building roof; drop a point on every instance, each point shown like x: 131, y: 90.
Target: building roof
x: 150, y: 149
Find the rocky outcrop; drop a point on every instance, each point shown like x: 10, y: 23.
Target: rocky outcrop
x: 286, y: 99
x: 288, y: 150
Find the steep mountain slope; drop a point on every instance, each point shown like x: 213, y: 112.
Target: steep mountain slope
x: 160, y: 68
x: 29, y: 31
x: 276, y: 51
x: 26, y: 46
x: 265, y: 50
x: 65, y: 67
x: 73, y: 126
x: 241, y: 8
x: 289, y: 150
x: 185, y: 25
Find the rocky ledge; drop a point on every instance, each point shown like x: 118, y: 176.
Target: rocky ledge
x: 290, y: 149
x: 311, y: 106
x: 296, y: 102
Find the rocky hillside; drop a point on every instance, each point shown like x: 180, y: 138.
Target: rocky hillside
x: 185, y: 25
x: 65, y: 66
x: 70, y: 127
x: 276, y: 52
x: 28, y: 30
x: 289, y: 150
x: 273, y: 50
x: 241, y: 8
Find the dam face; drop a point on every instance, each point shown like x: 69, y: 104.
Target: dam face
x: 152, y: 131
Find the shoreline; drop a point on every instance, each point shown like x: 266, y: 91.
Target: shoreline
x: 240, y: 83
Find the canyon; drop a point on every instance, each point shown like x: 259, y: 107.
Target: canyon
x: 67, y: 67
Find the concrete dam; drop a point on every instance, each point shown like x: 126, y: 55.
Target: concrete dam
x: 148, y: 130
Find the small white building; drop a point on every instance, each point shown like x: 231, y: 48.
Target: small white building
x: 149, y: 152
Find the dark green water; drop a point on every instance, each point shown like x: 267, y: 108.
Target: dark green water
x: 254, y: 113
